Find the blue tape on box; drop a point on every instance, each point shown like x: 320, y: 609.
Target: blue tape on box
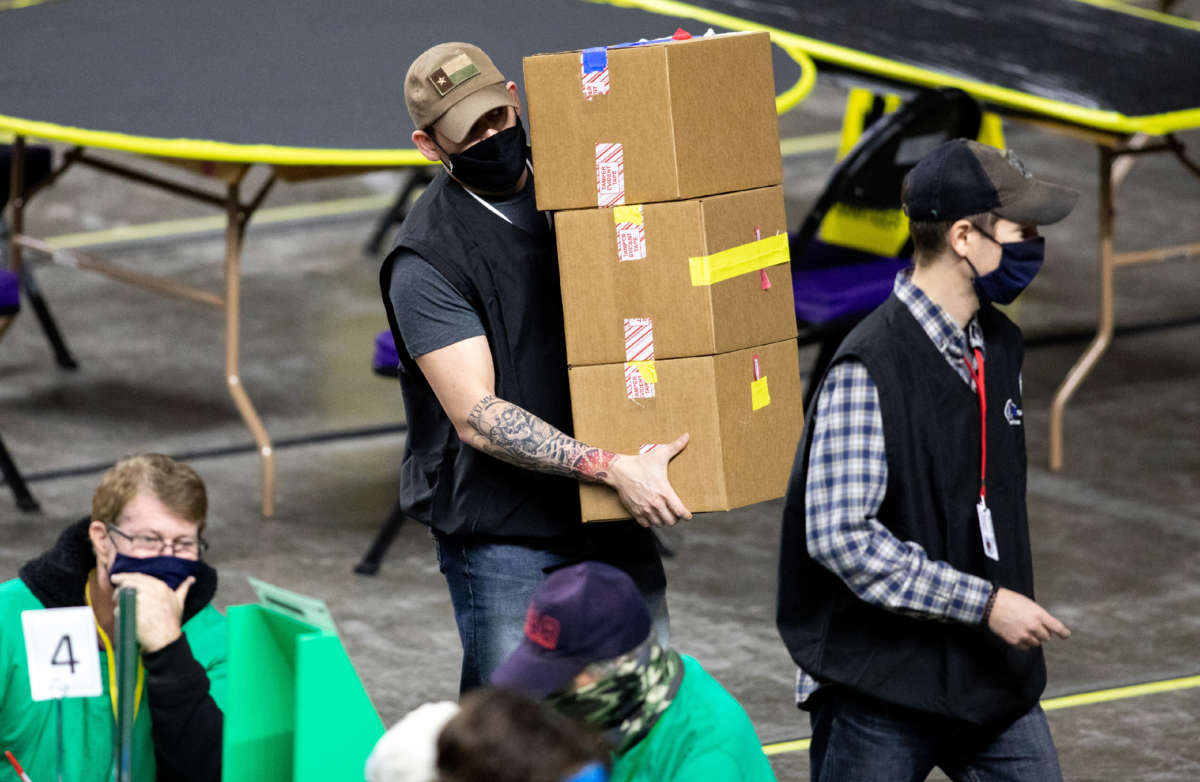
x: 643, y: 42
x: 595, y: 59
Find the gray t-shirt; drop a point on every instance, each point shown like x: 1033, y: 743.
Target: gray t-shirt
x: 430, y: 312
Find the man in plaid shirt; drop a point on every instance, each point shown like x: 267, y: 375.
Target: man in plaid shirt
x: 906, y: 588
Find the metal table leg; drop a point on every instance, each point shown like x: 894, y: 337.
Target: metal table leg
x: 235, y: 230
x: 1104, y: 332
x: 1115, y: 164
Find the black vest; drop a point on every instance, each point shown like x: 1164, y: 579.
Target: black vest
x: 510, y: 278
x: 931, y: 429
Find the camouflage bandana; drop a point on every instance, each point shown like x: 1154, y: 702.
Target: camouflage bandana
x: 629, y: 697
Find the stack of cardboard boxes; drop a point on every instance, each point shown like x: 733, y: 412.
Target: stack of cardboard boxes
x: 662, y: 164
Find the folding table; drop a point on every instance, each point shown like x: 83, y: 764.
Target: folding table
x: 306, y: 88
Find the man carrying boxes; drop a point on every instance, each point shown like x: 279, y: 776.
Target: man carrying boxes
x: 472, y: 295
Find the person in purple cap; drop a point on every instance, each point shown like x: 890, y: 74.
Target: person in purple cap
x: 589, y: 651
x: 905, y: 576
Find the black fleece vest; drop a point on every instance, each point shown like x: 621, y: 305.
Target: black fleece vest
x: 932, y: 431
x: 510, y: 278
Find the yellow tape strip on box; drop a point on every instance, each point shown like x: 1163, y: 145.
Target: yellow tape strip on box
x: 710, y: 269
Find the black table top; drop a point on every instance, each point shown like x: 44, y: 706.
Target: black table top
x: 318, y: 82
x: 1100, y: 64
x: 282, y: 81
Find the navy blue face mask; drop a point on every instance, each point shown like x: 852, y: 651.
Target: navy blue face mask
x: 1019, y: 264
x: 172, y: 571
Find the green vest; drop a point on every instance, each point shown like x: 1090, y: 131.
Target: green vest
x: 29, y: 729
x: 703, y: 735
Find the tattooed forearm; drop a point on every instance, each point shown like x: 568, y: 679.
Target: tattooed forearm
x: 519, y: 437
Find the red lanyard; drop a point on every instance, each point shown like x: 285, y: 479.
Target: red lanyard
x: 977, y: 376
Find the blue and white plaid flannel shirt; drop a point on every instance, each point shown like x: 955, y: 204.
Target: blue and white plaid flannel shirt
x: 847, y: 480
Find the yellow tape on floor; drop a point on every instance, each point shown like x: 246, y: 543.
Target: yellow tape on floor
x: 780, y: 747
x: 1119, y: 693
x: 191, y: 225
x: 1050, y: 704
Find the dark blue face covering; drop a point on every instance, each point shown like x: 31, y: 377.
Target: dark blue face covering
x: 1019, y: 264
x: 173, y: 571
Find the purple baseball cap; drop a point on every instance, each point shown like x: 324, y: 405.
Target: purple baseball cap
x: 580, y: 615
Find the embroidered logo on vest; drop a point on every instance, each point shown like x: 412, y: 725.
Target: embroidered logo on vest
x: 1012, y: 413
x: 542, y: 629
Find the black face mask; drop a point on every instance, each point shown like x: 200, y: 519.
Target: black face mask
x: 493, y: 165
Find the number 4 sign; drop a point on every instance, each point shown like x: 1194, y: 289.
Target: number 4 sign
x: 60, y: 644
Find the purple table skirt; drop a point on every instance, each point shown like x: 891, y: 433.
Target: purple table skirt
x: 831, y: 282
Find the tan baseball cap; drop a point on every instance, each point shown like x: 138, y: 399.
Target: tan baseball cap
x: 452, y: 85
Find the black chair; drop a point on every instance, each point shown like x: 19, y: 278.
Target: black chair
x: 836, y: 286
x: 10, y: 305
x: 415, y: 180
x: 385, y: 363
x: 38, y: 164
x: 15, y: 481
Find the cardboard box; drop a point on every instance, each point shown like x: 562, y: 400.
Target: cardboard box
x: 656, y: 122
x: 737, y: 454
x: 620, y: 269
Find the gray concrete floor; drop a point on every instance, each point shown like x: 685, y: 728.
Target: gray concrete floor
x: 1116, y: 533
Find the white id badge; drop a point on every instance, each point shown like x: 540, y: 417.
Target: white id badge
x: 986, y: 531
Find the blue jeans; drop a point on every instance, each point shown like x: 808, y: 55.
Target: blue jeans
x: 862, y: 739
x: 491, y: 585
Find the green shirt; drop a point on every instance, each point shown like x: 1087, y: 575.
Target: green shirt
x: 703, y: 736
x: 30, y: 730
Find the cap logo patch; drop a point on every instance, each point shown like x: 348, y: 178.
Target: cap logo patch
x: 453, y: 72
x: 542, y: 629
x: 1016, y: 163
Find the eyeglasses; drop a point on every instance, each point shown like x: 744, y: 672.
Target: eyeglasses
x: 154, y: 545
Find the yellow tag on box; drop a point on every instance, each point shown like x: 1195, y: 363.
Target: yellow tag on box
x: 646, y: 370
x: 760, y: 397
x: 628, y: 214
